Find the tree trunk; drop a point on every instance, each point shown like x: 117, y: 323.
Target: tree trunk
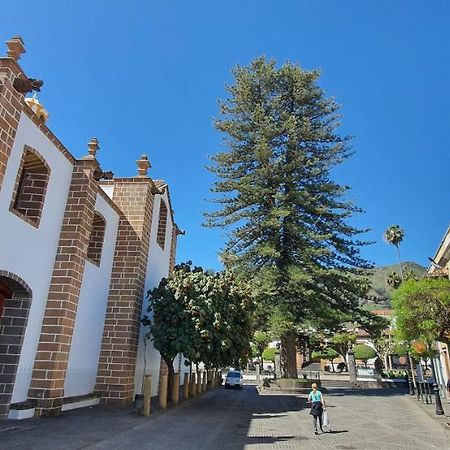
x: 171, y: 371
x: 411, y: 367
x: 289, y: 355
x: 400, y: 263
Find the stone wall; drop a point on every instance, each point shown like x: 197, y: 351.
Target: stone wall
x: 11, y: 106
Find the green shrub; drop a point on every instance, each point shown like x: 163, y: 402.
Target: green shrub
x: 394, y: 374
x: 269, y: 354
x: 364, y: 352
x: 326, y: 353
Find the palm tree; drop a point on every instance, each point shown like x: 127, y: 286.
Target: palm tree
x: 393, y: 280
x: 394, y: 235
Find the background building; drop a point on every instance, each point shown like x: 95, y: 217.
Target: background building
x: 440, y: 268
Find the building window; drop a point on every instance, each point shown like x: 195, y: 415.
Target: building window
x: 31, y: 186
x: 94, y: 252
x: 162, y: 224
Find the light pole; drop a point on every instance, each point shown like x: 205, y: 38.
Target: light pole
x: 437, y: 395
x: 410, y: 385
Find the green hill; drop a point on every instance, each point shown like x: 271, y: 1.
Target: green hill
x: 380, y: 292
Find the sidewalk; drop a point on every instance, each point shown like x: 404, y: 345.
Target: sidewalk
x: 430, y: 409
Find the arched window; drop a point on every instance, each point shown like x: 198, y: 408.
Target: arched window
x: 31, y: 187
x: 162, y: 224
x: 94, y: 252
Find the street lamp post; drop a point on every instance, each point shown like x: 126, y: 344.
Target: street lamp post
x: 410, y: 385
x: 437, y: 395
x: 439, y: 408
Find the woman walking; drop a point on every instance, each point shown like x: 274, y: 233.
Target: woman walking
x: 315, y: 397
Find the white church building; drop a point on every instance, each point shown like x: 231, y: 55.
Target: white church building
x: 79, y: 249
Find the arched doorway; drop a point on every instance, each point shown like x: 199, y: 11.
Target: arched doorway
x: 15, y: 302
x: 5, y: 292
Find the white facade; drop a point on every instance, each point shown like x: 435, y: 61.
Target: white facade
x: 87, y: 335
x: 157, y: 268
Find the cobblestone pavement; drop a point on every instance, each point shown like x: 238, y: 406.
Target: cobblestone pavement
x: 235, y: 420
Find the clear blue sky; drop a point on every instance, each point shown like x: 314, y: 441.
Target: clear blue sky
x: 145, y: 77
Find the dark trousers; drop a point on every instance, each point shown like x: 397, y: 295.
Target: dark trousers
x: 315, y: 422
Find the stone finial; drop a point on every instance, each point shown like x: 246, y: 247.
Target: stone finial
x: 143, y: 165
x: 37, y: 108
x: 15, y: 48
x: 93, y: 147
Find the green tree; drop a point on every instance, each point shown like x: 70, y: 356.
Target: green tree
x: 394, y: 235
x: 370, y: 322
x: 221, y: 310
x: 393, y: 280
x: 204, y: 316
x: 326, y: 353
x: 342, y: 342
x: 288, y: 221
x: 422, y: 310
x: 269, y: 354
x: 364, y: 353
x: 169, y: 321
x: 260, y: 341
x: 400, y: 349
x: 384, y: 346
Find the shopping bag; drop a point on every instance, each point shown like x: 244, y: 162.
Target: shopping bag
x: 326, y: 420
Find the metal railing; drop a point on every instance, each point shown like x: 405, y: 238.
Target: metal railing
x: 425, y: 392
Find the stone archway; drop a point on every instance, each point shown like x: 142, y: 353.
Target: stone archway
x: 15, y: 302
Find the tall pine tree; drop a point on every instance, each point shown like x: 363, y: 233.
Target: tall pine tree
x: 287, y: 219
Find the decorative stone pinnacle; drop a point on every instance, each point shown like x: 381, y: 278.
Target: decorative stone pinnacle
x: 93, y: 147
x: 37, y: 108
x: 143, y: 165
x: 15, y: 48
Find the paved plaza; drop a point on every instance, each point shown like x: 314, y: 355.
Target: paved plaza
x: 244, y: 419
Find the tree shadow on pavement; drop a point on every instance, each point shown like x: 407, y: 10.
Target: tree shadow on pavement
x: 340, y: 392
x: 220, y: 420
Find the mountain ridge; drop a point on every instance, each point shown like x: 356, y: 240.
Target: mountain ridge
x: 380, y: 293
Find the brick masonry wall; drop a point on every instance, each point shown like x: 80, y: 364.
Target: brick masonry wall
x: 30, y: 197
x: 11, y: 106
x: 47, y: 385
x: 94, y: 252
x: 162, y: 225
x: 31, y: 186
x: 173, y: 248
x: 115, y: 378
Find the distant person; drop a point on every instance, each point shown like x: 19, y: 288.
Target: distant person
x: 315, y: 398
x: 448, y: 386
